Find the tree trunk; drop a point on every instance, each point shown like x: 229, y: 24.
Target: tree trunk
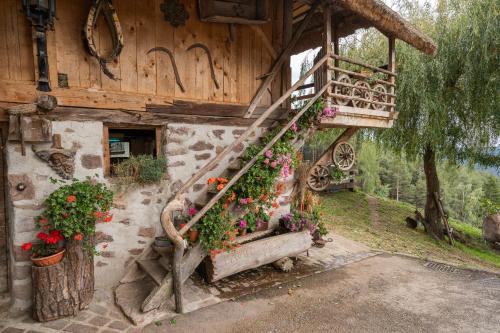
x: 432, y: 217
x: 63, y: 289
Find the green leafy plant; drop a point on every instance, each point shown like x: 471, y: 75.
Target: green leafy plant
x: 74, y: 208
x: 142, y: 169
x: 255, y: 193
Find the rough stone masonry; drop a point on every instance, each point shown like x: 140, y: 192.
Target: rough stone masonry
x: 136, y: 209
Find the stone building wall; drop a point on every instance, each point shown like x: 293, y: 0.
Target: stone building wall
x: 136, y: 209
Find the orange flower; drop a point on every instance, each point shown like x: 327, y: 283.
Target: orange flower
x: 226, y: 205
x: 233, y: 196
x: 220, y: 187
x: 211, y: 180
x: 78, y: 237
x: 249, y: 200
x: 275, y: 204
x: 71, y: 198
x: 222, y: 180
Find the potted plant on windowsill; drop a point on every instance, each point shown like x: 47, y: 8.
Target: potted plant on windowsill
x: 48, y: 250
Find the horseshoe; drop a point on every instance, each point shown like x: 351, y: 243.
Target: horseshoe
x: 172, y: 60
x: 209, y: 55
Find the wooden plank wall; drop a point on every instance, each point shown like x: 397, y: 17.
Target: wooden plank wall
x: 143, y: 78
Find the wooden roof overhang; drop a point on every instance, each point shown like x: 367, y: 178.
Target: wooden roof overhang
x: 351, y: 15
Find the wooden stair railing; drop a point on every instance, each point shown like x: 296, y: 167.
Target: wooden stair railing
x: 183, y: 265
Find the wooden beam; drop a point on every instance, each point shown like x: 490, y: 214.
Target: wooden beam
x: 280, y: 61
x: 286, y: 71
x: 392, y: 68
x: 327, y: 47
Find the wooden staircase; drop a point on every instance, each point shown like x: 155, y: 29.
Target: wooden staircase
x: 147, y: 287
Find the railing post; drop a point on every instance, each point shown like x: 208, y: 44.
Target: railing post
x: 327, y: 47
x: 392, y: 68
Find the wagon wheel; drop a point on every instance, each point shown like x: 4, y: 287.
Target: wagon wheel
x: 361, y: 93
x: 341, y: 90
x: 379, y: 96
x: 318, y: 178
x: 343, y: 156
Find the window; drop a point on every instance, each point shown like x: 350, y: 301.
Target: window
x: 122, y: 142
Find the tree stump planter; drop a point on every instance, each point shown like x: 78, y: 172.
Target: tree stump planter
x: 63, y: 289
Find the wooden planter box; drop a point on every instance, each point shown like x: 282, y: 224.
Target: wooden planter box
x: 257, y: 253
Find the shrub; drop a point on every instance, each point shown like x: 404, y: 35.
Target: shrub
x: 142, y: 169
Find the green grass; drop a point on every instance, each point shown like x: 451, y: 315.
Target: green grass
x: 349, y: 214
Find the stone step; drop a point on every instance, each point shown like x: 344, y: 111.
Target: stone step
x: 154, y: 269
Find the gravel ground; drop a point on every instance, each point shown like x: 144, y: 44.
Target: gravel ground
x: 385, y: 293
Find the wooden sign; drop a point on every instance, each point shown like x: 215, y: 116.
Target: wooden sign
x: 34, y: 128
x: 234, y: 11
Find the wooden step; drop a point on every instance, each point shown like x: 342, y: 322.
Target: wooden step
x: 154, y: 269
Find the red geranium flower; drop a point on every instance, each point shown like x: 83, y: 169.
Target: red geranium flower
x: 42, y: 220
x: 108, y: 218
x: 98, y: 214
x: 26, y: 246
x: 42, y: 236
x: 71, y: 198
x: 78, y: 237
x: 65, y: 215
x: 56, y: 234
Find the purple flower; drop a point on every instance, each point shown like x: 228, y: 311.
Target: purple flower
x: 269, y: 154
x: 243, y: 224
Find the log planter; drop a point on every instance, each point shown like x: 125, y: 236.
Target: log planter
x: 63, y: 289
x: 256, y: 253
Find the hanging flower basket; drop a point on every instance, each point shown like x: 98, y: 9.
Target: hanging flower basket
x: 49, y: 260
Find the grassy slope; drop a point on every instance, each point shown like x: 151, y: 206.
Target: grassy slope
x: 348, y: 214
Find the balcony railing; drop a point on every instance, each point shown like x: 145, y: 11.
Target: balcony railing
x: 372, y: 88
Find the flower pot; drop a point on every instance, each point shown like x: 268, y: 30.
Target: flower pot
x: 48, y: 261
x: 243, y: 232
x: 193, y: 235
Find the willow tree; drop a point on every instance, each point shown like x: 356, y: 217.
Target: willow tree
x: 449, y: 105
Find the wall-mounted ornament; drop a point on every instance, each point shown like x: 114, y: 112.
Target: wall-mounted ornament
x: 61, y: 160
x: 41, y: 13
x: 172, y: 60
x: 106, y: 8
x: 210, y: 62
x: 174, y: 12
x: 26, y: 124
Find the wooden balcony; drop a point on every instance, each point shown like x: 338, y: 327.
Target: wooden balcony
x: 364, y: 95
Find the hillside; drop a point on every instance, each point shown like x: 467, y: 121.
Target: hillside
x: 380, y: 223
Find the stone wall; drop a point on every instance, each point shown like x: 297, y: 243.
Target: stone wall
x: 136, y: 209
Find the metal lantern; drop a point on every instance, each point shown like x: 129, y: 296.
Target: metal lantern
x: 41, y: 13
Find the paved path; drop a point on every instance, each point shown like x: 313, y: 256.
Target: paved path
x: 385, y: 293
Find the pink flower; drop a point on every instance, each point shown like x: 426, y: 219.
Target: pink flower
x: 294, y: 127
x: 274, y: 164
x: 244, y: 201
x: 269, y: 154
x: 192, y: 211
x: 266, y: 161
x: 243, y: 224
x: 259, y: 222
x: 329, y: 112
